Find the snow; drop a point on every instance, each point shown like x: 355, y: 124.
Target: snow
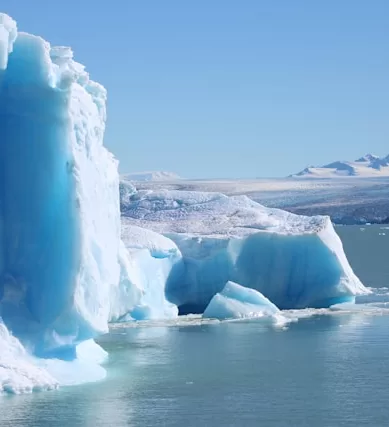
x: 295, y: 261
x: 235, y: 302
x: 366, y: 166
x: 346, y: 201
x: 150, y: 176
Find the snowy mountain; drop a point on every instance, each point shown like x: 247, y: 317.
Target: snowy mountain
x: 366, y: 166
x: 150, y: 176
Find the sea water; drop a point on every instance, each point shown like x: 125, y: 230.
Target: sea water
x: 325, y: 368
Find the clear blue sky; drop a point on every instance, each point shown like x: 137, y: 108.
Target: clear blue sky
x: 222, y: 88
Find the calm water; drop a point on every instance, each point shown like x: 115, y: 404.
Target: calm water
x: 324, y: 370
x: 367, y: 249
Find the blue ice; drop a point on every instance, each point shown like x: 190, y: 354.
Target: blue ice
x: 235, y: 302
x: 61, y: 257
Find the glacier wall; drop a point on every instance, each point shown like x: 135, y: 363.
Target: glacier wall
x: 61, y: 256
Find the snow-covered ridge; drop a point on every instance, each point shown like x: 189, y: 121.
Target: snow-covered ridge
x: 364, y: 167
x: 150, y: 176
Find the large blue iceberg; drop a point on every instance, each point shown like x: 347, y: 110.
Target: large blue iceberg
x: 295, y: 261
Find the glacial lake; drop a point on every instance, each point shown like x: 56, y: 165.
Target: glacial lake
x: 326, y: 368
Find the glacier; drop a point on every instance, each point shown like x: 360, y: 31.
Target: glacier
x: 236, y: 302
x: 294, y: 261
x: 347, y: 201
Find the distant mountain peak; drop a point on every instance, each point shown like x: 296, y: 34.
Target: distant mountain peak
x: 368, y: 158
x: 151, y: 176
x: 368, y: 166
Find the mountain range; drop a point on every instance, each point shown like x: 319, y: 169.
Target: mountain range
x: 368, y: 166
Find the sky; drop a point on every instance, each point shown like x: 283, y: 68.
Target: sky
x: 229, y: 88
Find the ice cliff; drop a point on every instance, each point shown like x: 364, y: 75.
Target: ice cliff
x: 59, y: 199
x: 64, y: 272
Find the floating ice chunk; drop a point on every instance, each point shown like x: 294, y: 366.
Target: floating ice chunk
x: 235, y: 302
x: 295, y: 261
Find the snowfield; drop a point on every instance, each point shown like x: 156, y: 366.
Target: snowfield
x: 345, y: 200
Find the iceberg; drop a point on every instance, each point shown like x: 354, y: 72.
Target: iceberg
x: 236, y: 302
x: 64, y: 270
x: 294, y: 261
